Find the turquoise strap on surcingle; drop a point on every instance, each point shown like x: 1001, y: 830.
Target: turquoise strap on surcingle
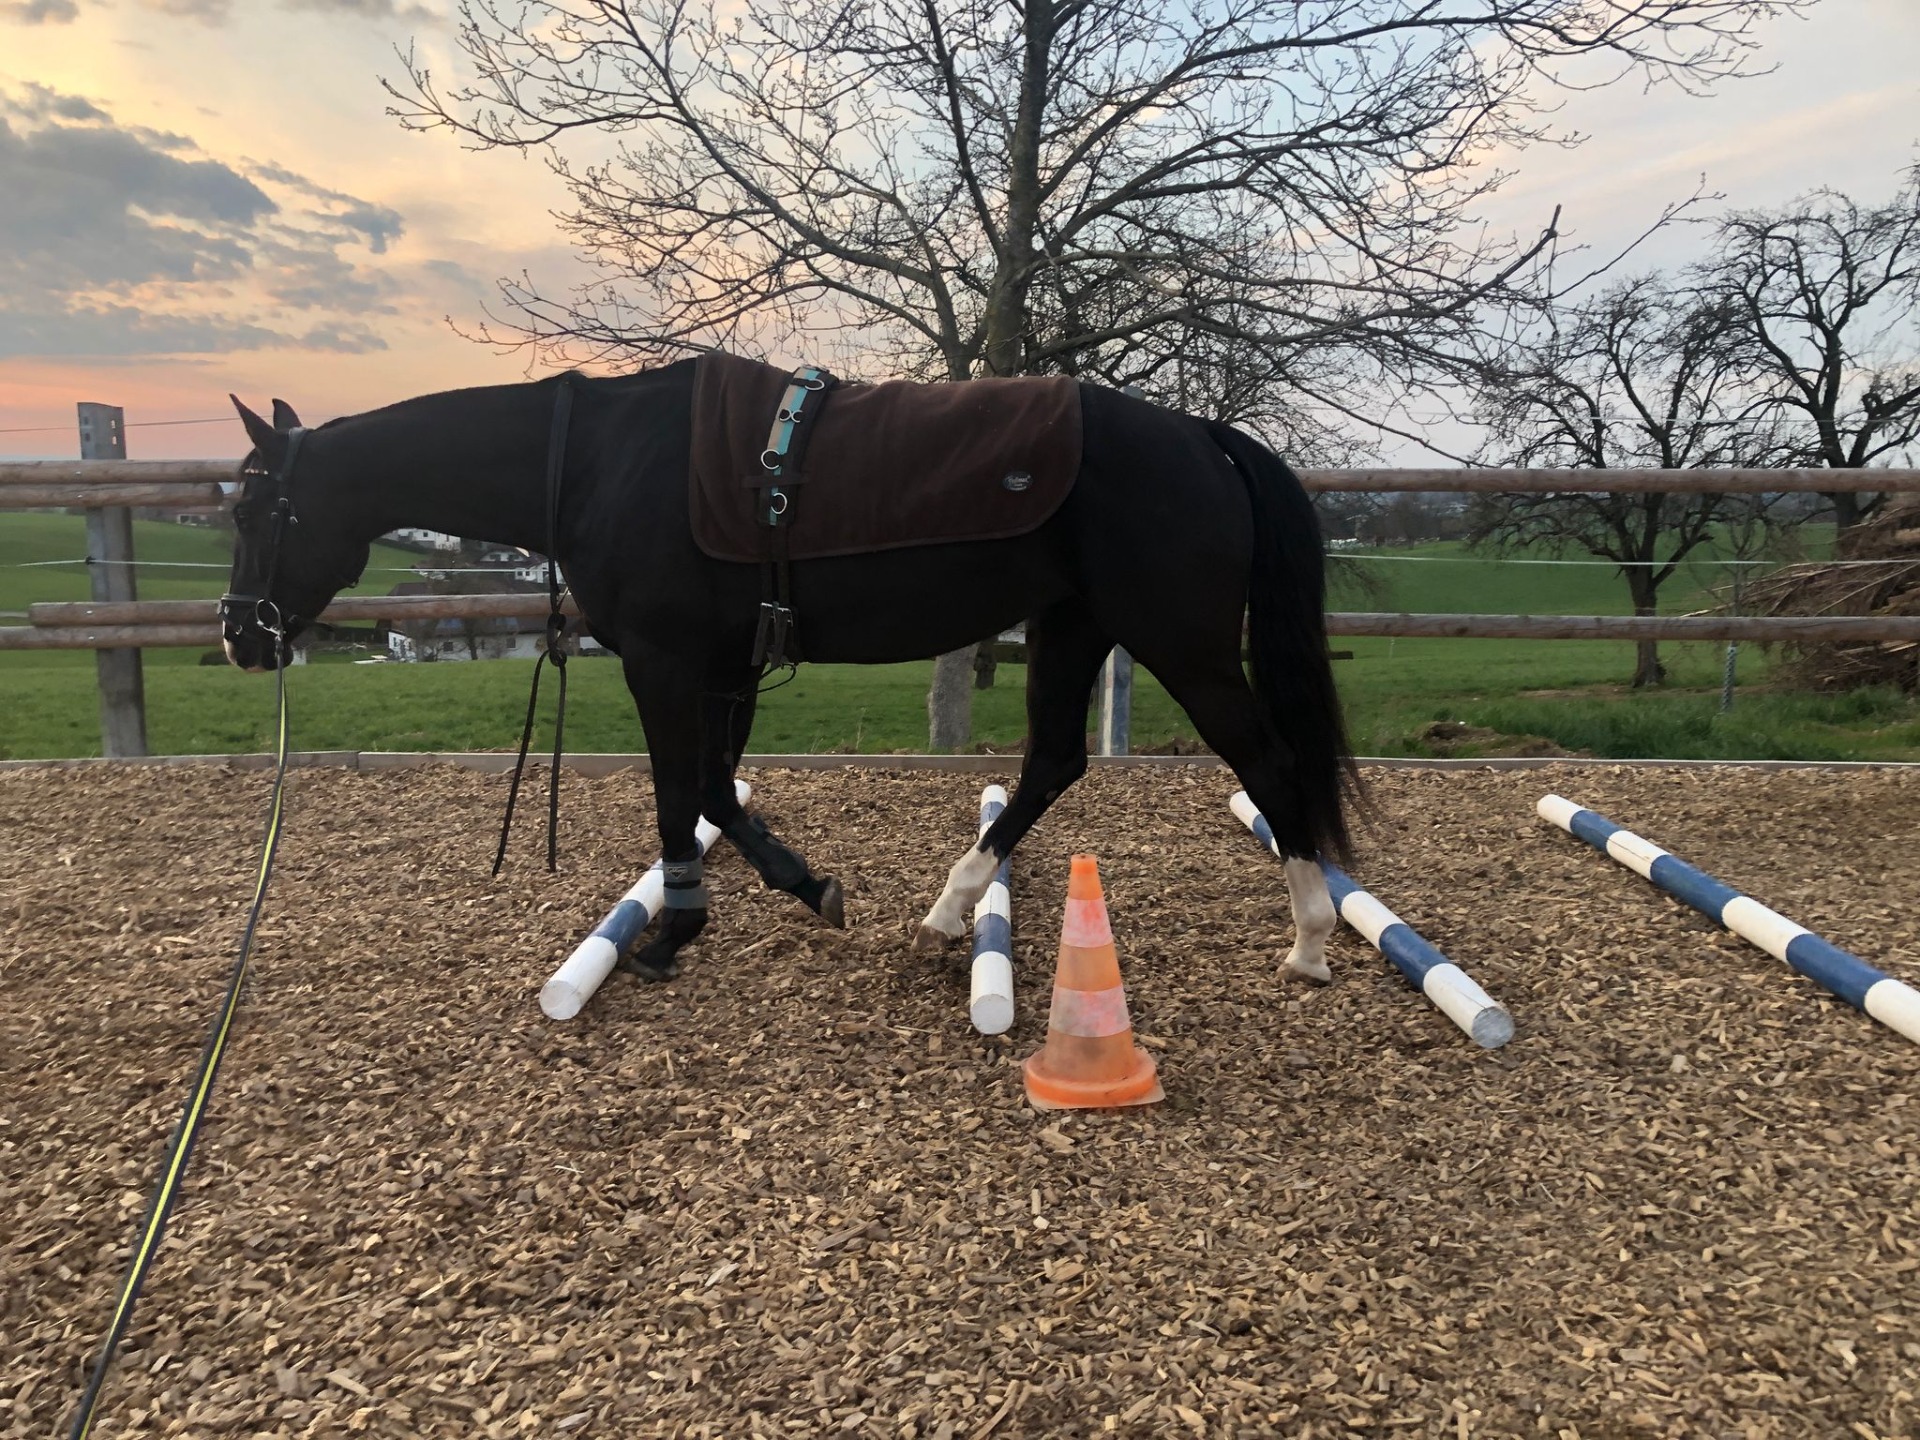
x: 786, y: 441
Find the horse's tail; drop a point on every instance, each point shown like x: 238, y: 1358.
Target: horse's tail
x: 1287, y: 640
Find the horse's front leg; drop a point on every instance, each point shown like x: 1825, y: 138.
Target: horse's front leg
x: 667, y: 692
x: 728, y: 723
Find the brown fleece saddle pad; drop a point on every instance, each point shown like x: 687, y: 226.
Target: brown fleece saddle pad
x: 885, y: 466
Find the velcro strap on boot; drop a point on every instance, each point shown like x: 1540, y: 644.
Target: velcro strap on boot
x: 686, y: 884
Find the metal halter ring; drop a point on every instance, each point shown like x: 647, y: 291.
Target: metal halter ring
x: 771, y: 460
x: 812, y: 383
x: 778, y: 502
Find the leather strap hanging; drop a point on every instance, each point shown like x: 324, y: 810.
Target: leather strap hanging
x: 555, y: 650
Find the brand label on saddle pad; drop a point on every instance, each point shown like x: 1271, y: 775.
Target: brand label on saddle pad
x: 888, y: 466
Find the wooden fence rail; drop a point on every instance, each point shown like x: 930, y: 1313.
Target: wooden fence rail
x: 347, y: 610
x: 42, y: 477
x: 159, y: 624
x: 121, y: 627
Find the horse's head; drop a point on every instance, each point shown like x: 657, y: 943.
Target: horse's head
x: 293, y: 549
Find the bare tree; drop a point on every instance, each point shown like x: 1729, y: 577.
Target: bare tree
x: 1827, y: 297
x: 1641, y: 376
x: 1120, y: 189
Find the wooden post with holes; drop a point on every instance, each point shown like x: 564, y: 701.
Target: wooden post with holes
x: 123, y: 693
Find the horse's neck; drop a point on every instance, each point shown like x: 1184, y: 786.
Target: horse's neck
x: 469, y: 463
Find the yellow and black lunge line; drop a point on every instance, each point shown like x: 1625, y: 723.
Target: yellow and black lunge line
x: 173, y: 1171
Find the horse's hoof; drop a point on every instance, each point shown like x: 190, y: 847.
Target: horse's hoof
x: 649, y: 970
x: 928, y: 939
x: 833, y: 904
x: 1299, y: 968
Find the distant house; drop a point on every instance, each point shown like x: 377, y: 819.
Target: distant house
x: 424, y: 540
x: 503, y: 638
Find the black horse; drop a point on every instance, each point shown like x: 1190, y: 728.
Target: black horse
x: 1175, y: 531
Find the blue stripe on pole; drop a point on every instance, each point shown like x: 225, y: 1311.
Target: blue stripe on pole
x: 623, y: 924
x: 989, y: 813
x: 1596, y: 830
x: 1825, y: 963
x: 993, y: 935
x: 1411, y: 956
x: 1696, y: 887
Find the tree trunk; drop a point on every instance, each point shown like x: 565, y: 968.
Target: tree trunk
x: 1647, y: 669
x: 950, y: 701
x: 985, y: 663
x: 1846, y: 509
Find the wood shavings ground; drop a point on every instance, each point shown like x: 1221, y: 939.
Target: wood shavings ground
x: 792, y: 1193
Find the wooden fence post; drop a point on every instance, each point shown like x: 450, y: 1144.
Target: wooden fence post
x: 123, y: 695
x: 1116, y: 678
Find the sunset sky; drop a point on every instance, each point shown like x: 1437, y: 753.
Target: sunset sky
x: 199, y: 196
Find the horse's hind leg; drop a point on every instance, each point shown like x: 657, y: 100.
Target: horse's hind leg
x: 727, y: 721
x: 1065, y: 648
x: 1221, y: 705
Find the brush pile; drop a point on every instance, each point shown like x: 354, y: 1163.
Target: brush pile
x: 1891, y: 586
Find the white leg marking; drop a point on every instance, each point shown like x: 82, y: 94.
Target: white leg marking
x: 1313, y: 921
x: 966, y: 883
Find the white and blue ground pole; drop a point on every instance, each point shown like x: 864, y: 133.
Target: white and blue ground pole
x: 1893, y: 1003
x: 1451, y: 990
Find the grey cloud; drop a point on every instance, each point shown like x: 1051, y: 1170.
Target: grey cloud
x: 218, y: 12
x: 119, y: 239
x: 456, y: 273
x: 99, y: 206
x: 41, y: 12
x: 376, y: 222
x: 38, y: 102
x: 35, y: 330
x: 345, y: 339
x: 371, y: 9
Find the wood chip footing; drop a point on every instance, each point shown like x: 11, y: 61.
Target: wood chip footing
x: 793, y: 1194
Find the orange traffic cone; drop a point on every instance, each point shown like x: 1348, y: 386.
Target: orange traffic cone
x: 1089, y: 1061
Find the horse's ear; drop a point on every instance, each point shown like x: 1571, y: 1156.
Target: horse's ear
x: 283, y: 416
x: 264, y: 437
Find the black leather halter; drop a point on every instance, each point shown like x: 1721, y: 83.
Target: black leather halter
x: 237, y: 608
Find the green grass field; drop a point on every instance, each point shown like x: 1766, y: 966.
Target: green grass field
x: 1570, y: 692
